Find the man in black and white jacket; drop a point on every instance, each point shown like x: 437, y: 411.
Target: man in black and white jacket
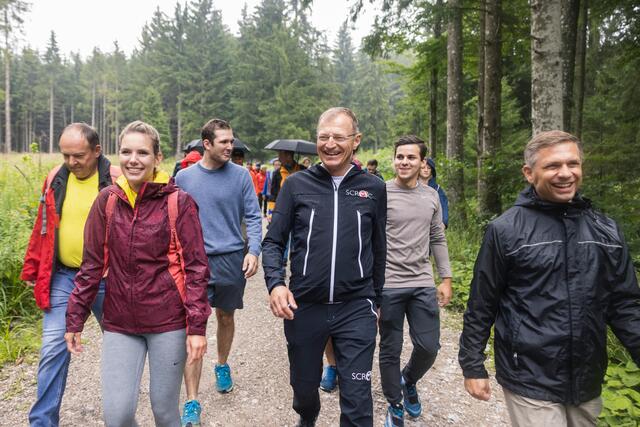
x: 336, y: 214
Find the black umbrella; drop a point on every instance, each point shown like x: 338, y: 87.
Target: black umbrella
x: 196, y: 144
x: 239, y: 145
x: 296, y: 145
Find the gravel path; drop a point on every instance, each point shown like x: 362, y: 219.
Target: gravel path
x: 262, y: 395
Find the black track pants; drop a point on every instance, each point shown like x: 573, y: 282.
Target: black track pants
x: 352, y: 326
x: 423, y: 315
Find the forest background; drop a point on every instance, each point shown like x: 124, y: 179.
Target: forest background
x: 474, y: 78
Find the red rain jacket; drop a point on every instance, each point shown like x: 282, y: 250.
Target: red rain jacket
x: 41, y: 257
x: 142, y: 295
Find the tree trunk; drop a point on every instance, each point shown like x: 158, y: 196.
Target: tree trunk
x: 489, y: 199
x: 454, y: 110
x: 72, y: 113
x: 116, y: 116
x: 7, y: 99
x: 51, y: 118
x: 570, y: 9
x: 480, y: 125
x: 179, y: 130
x: 546, y: 65
x: 93, y: 105
x: 103, y: 125
x: 581, y: 70
x: 433, y: 87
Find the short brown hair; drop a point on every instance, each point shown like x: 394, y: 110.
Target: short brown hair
x: 209, y: 129
x: 411, y: 140
x: 139, y: 126
x: 336, y: 111
x: 548, y: 139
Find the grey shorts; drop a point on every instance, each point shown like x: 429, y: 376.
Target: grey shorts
x: 227, y: 282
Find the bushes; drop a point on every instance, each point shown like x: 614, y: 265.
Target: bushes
x: 20, y: 181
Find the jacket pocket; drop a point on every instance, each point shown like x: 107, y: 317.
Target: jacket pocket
x: 514, y: 343
x: 360, y: 243
x: 306, y: 255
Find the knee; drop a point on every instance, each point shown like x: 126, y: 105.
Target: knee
x: 119, y: 418
x: 225, y: 318
x: 426, y: 350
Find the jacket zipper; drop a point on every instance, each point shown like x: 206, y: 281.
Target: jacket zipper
x: 335, y: 240
x: 360, y: 243
x: 133, y: 225
x: 306, y: 256
x: 566, y: 276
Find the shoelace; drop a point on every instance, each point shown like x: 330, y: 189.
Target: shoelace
x: 191, y: 408
x: 224, y: 373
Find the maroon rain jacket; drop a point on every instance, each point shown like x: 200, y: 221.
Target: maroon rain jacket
x: 141, y: 295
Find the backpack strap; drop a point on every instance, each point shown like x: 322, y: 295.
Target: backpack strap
x: 52, y: 174
x: 111, y: 205
x: 176, y: 260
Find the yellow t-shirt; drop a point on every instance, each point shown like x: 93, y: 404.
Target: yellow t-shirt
x: 78, y: 199
x: 161, y: 177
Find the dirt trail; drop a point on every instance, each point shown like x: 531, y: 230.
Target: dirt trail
x: 262, y: 395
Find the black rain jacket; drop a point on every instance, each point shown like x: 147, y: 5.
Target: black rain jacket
x: 338, y: 238
x: 551, y: 277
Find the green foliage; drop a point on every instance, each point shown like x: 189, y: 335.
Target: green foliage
x: 621, y: 391
x: 20, y: 180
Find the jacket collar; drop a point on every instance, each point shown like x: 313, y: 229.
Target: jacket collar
x: 529, y: 198
x: 319, y: 171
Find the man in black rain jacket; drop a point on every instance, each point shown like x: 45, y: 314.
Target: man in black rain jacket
x: 552, y: 273
x: 336, y: 214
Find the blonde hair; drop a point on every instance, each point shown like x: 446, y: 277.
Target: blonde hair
x: 139, y: 126
x: 336, y: 111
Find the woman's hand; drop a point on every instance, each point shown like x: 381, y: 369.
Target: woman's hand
x: 73, y: 342
x: 196, y: 348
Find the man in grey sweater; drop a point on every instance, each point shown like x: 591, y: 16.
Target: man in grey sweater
x: 225, y: 196
x: 414, y: 225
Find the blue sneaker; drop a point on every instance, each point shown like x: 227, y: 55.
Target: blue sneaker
x: 224, y: 383
x: 411, y: 400
x: 395, y: 416
x: 329, y: 380
x: 191, y: 414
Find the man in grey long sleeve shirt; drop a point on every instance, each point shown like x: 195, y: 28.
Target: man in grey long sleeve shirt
x: 414, y: 224
x: 225, y: 196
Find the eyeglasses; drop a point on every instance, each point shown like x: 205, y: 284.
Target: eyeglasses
x: 336, y: 138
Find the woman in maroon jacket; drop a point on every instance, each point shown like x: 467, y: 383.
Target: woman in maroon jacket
x: 146, y: 233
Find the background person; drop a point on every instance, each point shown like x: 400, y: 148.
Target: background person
x: 155, y: 303
x: 372, y: 168
x: 552, y: 273
x: 54, y: 255
x: 428, y: 176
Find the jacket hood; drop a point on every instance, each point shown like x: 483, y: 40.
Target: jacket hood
x: 530, y: 199
x: 432, y: 164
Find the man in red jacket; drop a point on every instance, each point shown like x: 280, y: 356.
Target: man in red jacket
x: 54, y: 255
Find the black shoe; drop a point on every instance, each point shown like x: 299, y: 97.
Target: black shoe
x: 305, y: 422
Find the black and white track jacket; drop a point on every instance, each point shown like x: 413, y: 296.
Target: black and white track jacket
x: 338, y: 241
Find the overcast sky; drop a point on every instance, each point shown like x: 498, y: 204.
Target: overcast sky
x: 80, y: 25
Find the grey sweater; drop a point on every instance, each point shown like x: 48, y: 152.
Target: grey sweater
x: 414, y: 223
x: 225, y: 197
